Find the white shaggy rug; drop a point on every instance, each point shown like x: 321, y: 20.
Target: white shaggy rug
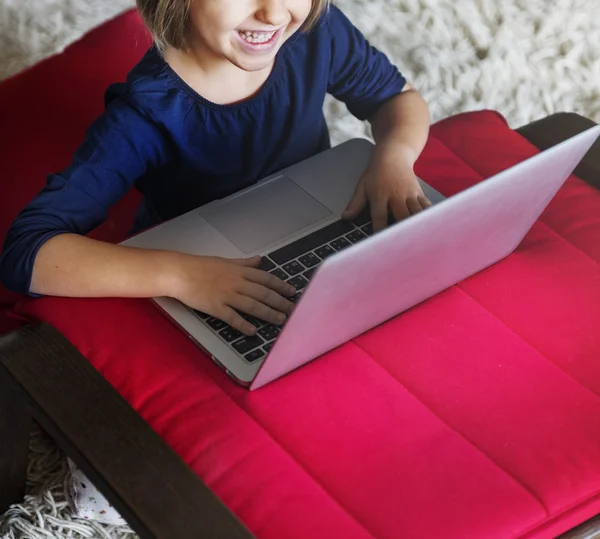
x: 525, y: 58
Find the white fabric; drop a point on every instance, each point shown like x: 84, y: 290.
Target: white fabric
x: 46, y: 513
x: 86, y: 500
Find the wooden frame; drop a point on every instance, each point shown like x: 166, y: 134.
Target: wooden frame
x: 152, y: 488
x: 43, y: 376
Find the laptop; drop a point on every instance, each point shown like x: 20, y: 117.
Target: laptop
x: 348, y: 279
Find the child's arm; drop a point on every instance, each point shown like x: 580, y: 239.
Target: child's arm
x: 400, y: 129
x: 402, y: 123
x: 373, y: 89
x: 46, y: 251
x: 76, y: 266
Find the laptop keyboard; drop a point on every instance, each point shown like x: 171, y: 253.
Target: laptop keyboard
x: 294, y: 263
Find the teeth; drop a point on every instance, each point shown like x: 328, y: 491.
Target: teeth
x: 257, y: 37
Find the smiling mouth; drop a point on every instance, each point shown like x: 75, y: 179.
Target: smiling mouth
x: 257, y: 38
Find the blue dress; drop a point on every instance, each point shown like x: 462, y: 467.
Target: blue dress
x: 181, y: 151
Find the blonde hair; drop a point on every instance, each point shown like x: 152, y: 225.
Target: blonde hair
x: 167, y: 19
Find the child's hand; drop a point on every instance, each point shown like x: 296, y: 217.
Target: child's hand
x: 222, y: 287
x: 389, y: 183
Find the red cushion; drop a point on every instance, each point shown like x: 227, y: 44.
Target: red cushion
x: 45, y: 112
x: 474, y: 414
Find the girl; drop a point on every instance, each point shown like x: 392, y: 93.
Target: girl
x: 232, y: 92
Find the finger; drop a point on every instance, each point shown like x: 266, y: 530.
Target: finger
x: 269, y: 297
x: 379, y: 213
x: 424, y: 201
x: 270, y: 281
x: 252, y: 262
x: 236, y: 321
x: 259, y: 310
x: 413, y: 205
x: 399, y: 208
x: 357, y: 203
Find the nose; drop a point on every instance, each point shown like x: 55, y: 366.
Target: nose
x: 273, y: 12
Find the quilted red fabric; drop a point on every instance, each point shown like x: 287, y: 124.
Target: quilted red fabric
x: 45, y: 112
x: 474, y: 414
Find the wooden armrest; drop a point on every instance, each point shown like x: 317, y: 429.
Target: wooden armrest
x: 554, y: 129
x: 152, y: 488
x: 15, y: 426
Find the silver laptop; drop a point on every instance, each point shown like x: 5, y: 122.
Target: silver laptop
x: 349, y: 280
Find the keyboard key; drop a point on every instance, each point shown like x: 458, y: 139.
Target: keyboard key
x: 309, y: 273
x: 202, y: 315
x: 308, y: 243
x: 266, y: 264
x: 299, y: 282
x: 368, y: 229
x: 270, y: 332
x: 295, y: 299
x: 229, y: 334
x: 215, y: 323
x: 255, y: 355
x: 355, y: 236
x: 293, y: 268
x: 310, y: 260
x: 280, y: 274
x: 340, y: 244
x: 324, y: 252
x: 267, y: 347
x: 256, y: 323
x: 363, y: 217
x: 247, y: 344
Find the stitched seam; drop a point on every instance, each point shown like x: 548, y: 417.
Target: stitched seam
x: 559, y: 235
x: 540, y: 219
x: 550, y: 229
x: 565, y: 373
x: 530, y: 345
x: 529, y: 490
x: 532, y: 529
x: 250, y: 416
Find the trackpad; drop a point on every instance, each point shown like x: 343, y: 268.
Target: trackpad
x: 264, y: 214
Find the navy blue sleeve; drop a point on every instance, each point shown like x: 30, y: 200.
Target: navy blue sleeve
x: 119, y: 147
x: 360, y: 76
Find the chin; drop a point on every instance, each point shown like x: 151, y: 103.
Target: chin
x: 252, y: 64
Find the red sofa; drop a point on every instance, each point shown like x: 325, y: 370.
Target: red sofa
x: 474, y: 415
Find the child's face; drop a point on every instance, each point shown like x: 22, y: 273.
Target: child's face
x: 247, y: 33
